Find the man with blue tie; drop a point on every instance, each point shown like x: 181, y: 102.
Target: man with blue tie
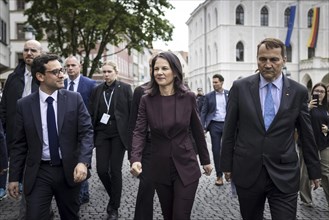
x: 53, y: 144
x: 78, y: 83
x: 212, y: 118
x: 258, y: 147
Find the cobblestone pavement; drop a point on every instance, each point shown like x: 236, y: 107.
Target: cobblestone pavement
x: 211, y: 202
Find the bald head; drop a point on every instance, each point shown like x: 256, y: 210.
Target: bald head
x: 32, y: 49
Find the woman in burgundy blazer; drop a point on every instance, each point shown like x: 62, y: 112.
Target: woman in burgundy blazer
x: 169, y: 110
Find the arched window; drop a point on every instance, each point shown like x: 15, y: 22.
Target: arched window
x: 239, y: 52
x: 264, y: 17
x: 289, y: 53
x: 286, y: 17
x: 309, y: 18
x: 216, y: 17
x: 239, y: 13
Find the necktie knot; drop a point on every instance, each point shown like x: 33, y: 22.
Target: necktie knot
x: 50, y: 100
x: 71, y: 87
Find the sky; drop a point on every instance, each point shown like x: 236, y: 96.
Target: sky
x: 178, y: 17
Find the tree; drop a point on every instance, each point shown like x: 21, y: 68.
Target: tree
x: 78, y: 27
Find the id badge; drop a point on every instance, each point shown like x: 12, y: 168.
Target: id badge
x: 105, y: 118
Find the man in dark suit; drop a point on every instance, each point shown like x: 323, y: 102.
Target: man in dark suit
x: 258, y: 148
x: 83, y: 85
x: 213, y: 114
x: 146, y: 191
x: 54, y: 160
x: 110, y: 104
x: 19, y: 84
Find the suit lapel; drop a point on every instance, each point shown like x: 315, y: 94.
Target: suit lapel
x: 61, y: 108
x: 36, y: 114
x: 81, y: 85
x: 254, y: 90
x: 286, y: 98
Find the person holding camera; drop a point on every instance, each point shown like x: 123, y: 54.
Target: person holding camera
x: 318, y: 106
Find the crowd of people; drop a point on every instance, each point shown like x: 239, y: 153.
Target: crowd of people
x: 52, y: 117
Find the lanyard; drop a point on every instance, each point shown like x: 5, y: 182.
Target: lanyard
x: 108, y: 103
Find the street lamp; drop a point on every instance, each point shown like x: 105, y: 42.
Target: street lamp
x: 29, y: 32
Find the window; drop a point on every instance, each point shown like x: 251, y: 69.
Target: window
x: 20, y: 31
x: 309, y: 18
x: 239, y: 15
x: 216, y: 17
x: 286, y: 17
x: 3, y: 31
x: 311, y: 52
x: 239, y: 52
x: 20, y: 4
x: 289, y: 53
x: 264, y: 17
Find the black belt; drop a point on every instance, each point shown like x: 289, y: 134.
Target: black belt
x: 217, y: 121
x: 48, y: 162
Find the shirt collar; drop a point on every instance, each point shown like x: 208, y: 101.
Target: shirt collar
x: 44, y: 96
x: 277, y: 82
x: 76, y: 80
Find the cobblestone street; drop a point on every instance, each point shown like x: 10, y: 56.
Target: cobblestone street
x: 211, y: 203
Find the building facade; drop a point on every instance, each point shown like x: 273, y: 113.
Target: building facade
x: 129, y: 65
x: 4, y: 39
x: 223, y: 38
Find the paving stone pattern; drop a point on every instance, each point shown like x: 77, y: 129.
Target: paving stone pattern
x: 211, y: 202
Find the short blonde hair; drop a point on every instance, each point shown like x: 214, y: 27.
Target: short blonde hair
x: 111, y: 63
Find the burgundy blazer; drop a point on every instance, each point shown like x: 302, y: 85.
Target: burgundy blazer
x: 177, y: 146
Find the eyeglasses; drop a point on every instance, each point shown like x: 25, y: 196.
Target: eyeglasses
x: 319, y: 91
x: 56, y: 72
x: 30, y: 49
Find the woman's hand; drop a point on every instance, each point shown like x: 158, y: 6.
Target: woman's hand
x: 312, y: 104
x: 136, y: 168
x: 207, y: 169
x: 324, y: 129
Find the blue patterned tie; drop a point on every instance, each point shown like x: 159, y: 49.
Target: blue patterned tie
x: 52, y: 133
x: 71, y: 88
x: 269, y: 111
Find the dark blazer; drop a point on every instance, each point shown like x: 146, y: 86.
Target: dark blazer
x: 3, y: 150
x: 138, y: 93
x: 85, y: 87
x: 122, y: 97
x: 209, y: 108
x: 13, y: 91
x: 247, y: 146
x: 178, y: 145
x: 74, y: 131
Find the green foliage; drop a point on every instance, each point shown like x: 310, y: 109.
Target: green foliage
x: 77, y: 27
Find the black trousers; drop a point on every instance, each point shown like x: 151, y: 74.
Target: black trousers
x: 51, y: 182
x: 252, y: 200
x: 176, y: 200
x: 109, y: 157
x: 146, y: 191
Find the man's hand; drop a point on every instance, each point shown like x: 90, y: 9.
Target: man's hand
x: 136, y: 168
x: 207, y: 169
x: 227, y: 176
x: 2, y: 171
x: 316, y: 183
x: 80, y: 173
x: 13, y: 189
